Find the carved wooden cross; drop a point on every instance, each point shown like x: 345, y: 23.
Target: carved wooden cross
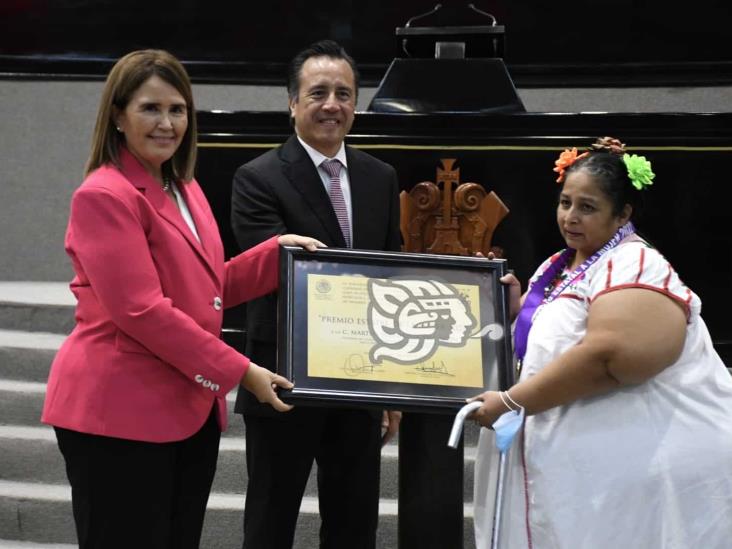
x: 458, y: 219
x: 447, y: 227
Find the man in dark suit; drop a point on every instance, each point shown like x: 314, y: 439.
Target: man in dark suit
x: 351, y: 203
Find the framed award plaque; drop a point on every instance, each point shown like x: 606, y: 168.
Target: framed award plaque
x: 391, y: 330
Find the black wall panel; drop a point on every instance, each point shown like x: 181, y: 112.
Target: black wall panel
x: 547, y: 43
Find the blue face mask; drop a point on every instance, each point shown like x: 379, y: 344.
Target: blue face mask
x: 506, y: 428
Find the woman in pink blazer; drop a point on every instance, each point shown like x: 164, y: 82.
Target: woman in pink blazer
x: 137, y: 391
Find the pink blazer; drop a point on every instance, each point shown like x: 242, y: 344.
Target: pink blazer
x: 145, y: 360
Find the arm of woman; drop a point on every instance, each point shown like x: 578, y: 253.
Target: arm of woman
x: 255, y: 272
x: 632, y: 335
x: 112, y: 256
x: 256, y: 220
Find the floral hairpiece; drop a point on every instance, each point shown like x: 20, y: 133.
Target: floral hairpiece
x: 639, y: 171
x: 565, y: 160
x: 639, y: 168
x: 609, y: 145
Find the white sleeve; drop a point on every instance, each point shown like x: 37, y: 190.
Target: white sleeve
x: 638, y: 265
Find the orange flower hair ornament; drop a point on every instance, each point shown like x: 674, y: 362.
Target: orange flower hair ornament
x: 565, y: 160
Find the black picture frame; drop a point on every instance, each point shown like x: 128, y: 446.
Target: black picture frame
x: 396, y: 330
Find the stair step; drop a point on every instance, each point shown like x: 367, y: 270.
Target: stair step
x: 27, y: 356
x: 46, y: 318
x: 25, y: 440
x: 13, y: 544
x: 42, y: 513
x: 36, y: 340
x: 37, y: 293
x: 37, y: 306
x: 21, y: 403
x: 35, y: 510
x: 30, y: 454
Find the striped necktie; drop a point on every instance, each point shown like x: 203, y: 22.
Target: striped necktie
x: 333, y: 169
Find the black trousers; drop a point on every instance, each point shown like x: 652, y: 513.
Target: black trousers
x: 346, y: 445
x: 127, y: 493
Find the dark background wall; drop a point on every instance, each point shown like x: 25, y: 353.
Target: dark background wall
x: 54, y: 55
x: 548, y: 44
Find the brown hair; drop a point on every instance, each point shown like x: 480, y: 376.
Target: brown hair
x: 127, y: 75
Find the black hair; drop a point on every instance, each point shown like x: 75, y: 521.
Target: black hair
x: 609, y: 171
x: 323, y: 48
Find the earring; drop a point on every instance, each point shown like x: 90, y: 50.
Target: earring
x: 119, y: 129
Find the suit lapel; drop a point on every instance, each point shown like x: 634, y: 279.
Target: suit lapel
x: 303, y: 175
x: 203, y: 224
x: 164, y: 206
x: 361, y: 194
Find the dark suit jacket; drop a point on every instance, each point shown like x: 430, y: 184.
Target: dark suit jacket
x: 282, y: 192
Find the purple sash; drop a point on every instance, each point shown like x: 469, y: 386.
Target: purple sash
x: 536, y: 295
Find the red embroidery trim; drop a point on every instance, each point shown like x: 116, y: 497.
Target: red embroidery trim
x: 609, y: 273
x: 668, y: 277
x: 526, y: 486
x: 640, y: 269
x: 664, y: 291
x: 571, y: 296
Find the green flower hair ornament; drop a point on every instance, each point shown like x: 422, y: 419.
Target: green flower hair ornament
x: 639, y: 171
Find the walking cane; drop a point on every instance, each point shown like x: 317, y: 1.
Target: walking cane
x: 457, y: 425
x: 454, y: 440
x: 499, y: 501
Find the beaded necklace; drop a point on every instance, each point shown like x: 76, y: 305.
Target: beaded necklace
x: 545, y: 291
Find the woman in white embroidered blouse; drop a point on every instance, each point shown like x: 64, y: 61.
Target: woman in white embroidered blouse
x: 627, y: 441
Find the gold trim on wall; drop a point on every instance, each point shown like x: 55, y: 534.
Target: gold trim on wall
x: 404, y: 147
